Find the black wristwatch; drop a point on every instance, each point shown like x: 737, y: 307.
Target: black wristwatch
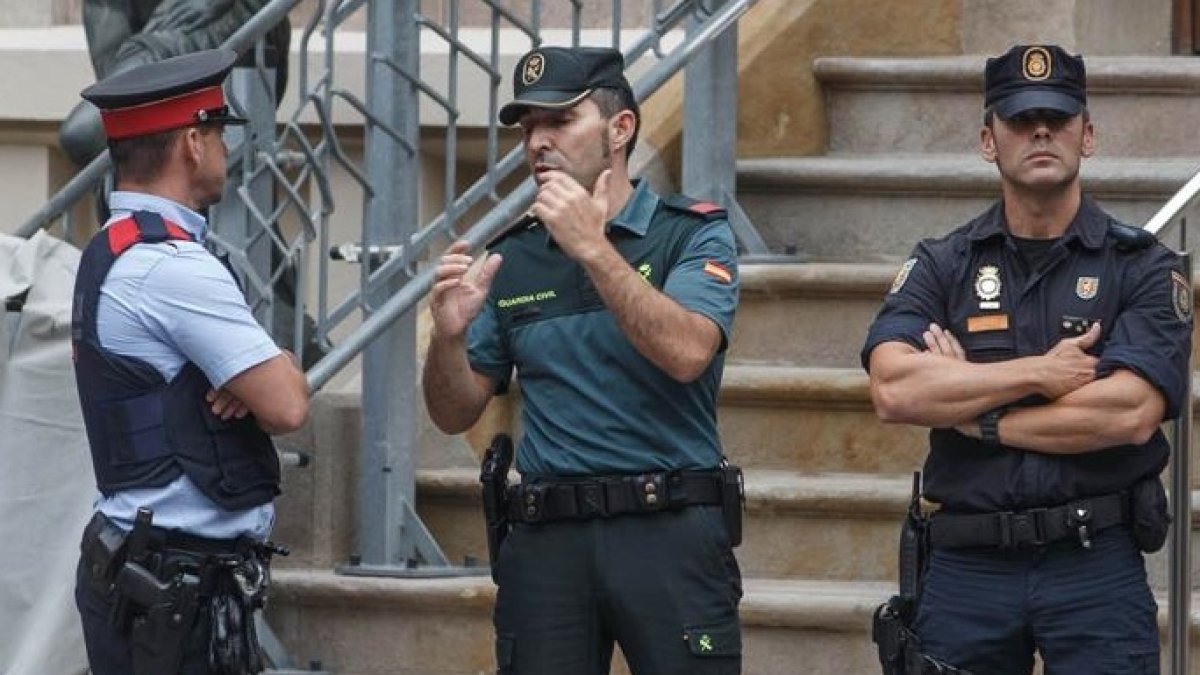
x: 989, y: 425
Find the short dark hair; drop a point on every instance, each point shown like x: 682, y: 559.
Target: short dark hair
x: 611, y: 101
x: 140, y: 158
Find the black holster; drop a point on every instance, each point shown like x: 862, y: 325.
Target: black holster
x: 891, y: 630
x: 1149, y: 514
x: 493, y: 476
x: 733, y: 500
x: 157, y: 616
x: 165, y: 618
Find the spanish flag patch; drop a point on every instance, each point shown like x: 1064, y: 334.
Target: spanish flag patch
x: 717, y: 271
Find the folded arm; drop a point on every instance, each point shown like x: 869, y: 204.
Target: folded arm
x: 1119, y: 409
x: 938, y: 387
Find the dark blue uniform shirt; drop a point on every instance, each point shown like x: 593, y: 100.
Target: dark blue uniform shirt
x: 974, y: 283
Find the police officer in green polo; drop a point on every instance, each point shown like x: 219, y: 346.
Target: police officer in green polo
x: 614, y: 306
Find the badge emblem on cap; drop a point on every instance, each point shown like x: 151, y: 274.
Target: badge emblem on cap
x: 1086, y: 287
x: 987, y: 287
x: 535, y: 67
x: 1036, y: 63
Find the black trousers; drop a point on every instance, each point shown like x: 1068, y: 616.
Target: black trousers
x: 663, y: 586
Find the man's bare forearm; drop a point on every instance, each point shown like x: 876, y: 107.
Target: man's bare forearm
x: 1117, y: 410
x: 680, y: 342
x: 921, y: 388
x: 455, y: 395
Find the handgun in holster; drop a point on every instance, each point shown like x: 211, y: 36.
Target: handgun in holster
x: 137, y: 556
x: 157, y: 616
x: 493, y: 476
x: 159, y: 633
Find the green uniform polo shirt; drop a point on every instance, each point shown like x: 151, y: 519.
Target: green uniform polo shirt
x: 593, y: 405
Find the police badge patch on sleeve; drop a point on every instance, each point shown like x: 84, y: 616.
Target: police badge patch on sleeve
x: 902, y: 275
x: 1181, y: 296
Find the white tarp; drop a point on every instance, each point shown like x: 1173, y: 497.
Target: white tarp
x: 46, y: 483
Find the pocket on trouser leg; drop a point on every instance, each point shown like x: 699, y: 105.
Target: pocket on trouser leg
x: 1132, y: 661
x: 505, y: 647
x: 715, y: 649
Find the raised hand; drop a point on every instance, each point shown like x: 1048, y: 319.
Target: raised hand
x: 574, y: 216
x: 458, y: 292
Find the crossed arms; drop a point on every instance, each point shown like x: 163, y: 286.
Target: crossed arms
x: 938, y: 387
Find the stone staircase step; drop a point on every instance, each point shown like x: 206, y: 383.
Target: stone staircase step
x: 378, y: 626
x: 871, y: 208
x: 814, y: 314
x: 837, y: 527
x: 820, y: 420
x: 811, y: 420
x: 880, y: 105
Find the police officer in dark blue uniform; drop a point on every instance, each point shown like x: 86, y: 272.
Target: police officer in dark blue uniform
x: 1043, y: 343
x: 614, y: 306
x: 180, y: 388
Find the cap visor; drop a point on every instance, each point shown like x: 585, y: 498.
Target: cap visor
x: 512, y: 111
x: 1038, y: 100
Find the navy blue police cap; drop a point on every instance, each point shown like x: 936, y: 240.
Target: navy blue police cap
x: 560, y: 77
x: 170, y: 94
x: 1035, y: 77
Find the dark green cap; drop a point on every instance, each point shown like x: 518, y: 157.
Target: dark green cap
x: 560, y: 77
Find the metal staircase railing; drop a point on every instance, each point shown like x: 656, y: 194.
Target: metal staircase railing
x: 1179, y: 566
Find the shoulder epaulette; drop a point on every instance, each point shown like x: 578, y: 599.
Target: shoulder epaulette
x: 705, y: 210
x: 525, y: 222
x: 1130, y: 238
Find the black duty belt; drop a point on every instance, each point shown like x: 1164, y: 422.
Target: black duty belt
x: 1033, y: 527
x: 544, y: 501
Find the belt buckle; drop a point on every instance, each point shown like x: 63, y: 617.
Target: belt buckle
x: 590, y: 500
x: 1023, y: 528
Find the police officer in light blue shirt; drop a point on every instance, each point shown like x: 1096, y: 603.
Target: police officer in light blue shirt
x: 180, y: 389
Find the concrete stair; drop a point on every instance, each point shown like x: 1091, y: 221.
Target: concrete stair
x: 902, y: 160
x: 443, y: 626
x: 869, y: 207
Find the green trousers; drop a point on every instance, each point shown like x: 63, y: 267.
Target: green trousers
x: 663, y: 586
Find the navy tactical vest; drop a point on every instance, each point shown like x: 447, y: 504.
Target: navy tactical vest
x: 144, y: 431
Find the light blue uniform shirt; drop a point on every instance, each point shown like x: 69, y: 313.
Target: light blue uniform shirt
x: 168, y: 304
